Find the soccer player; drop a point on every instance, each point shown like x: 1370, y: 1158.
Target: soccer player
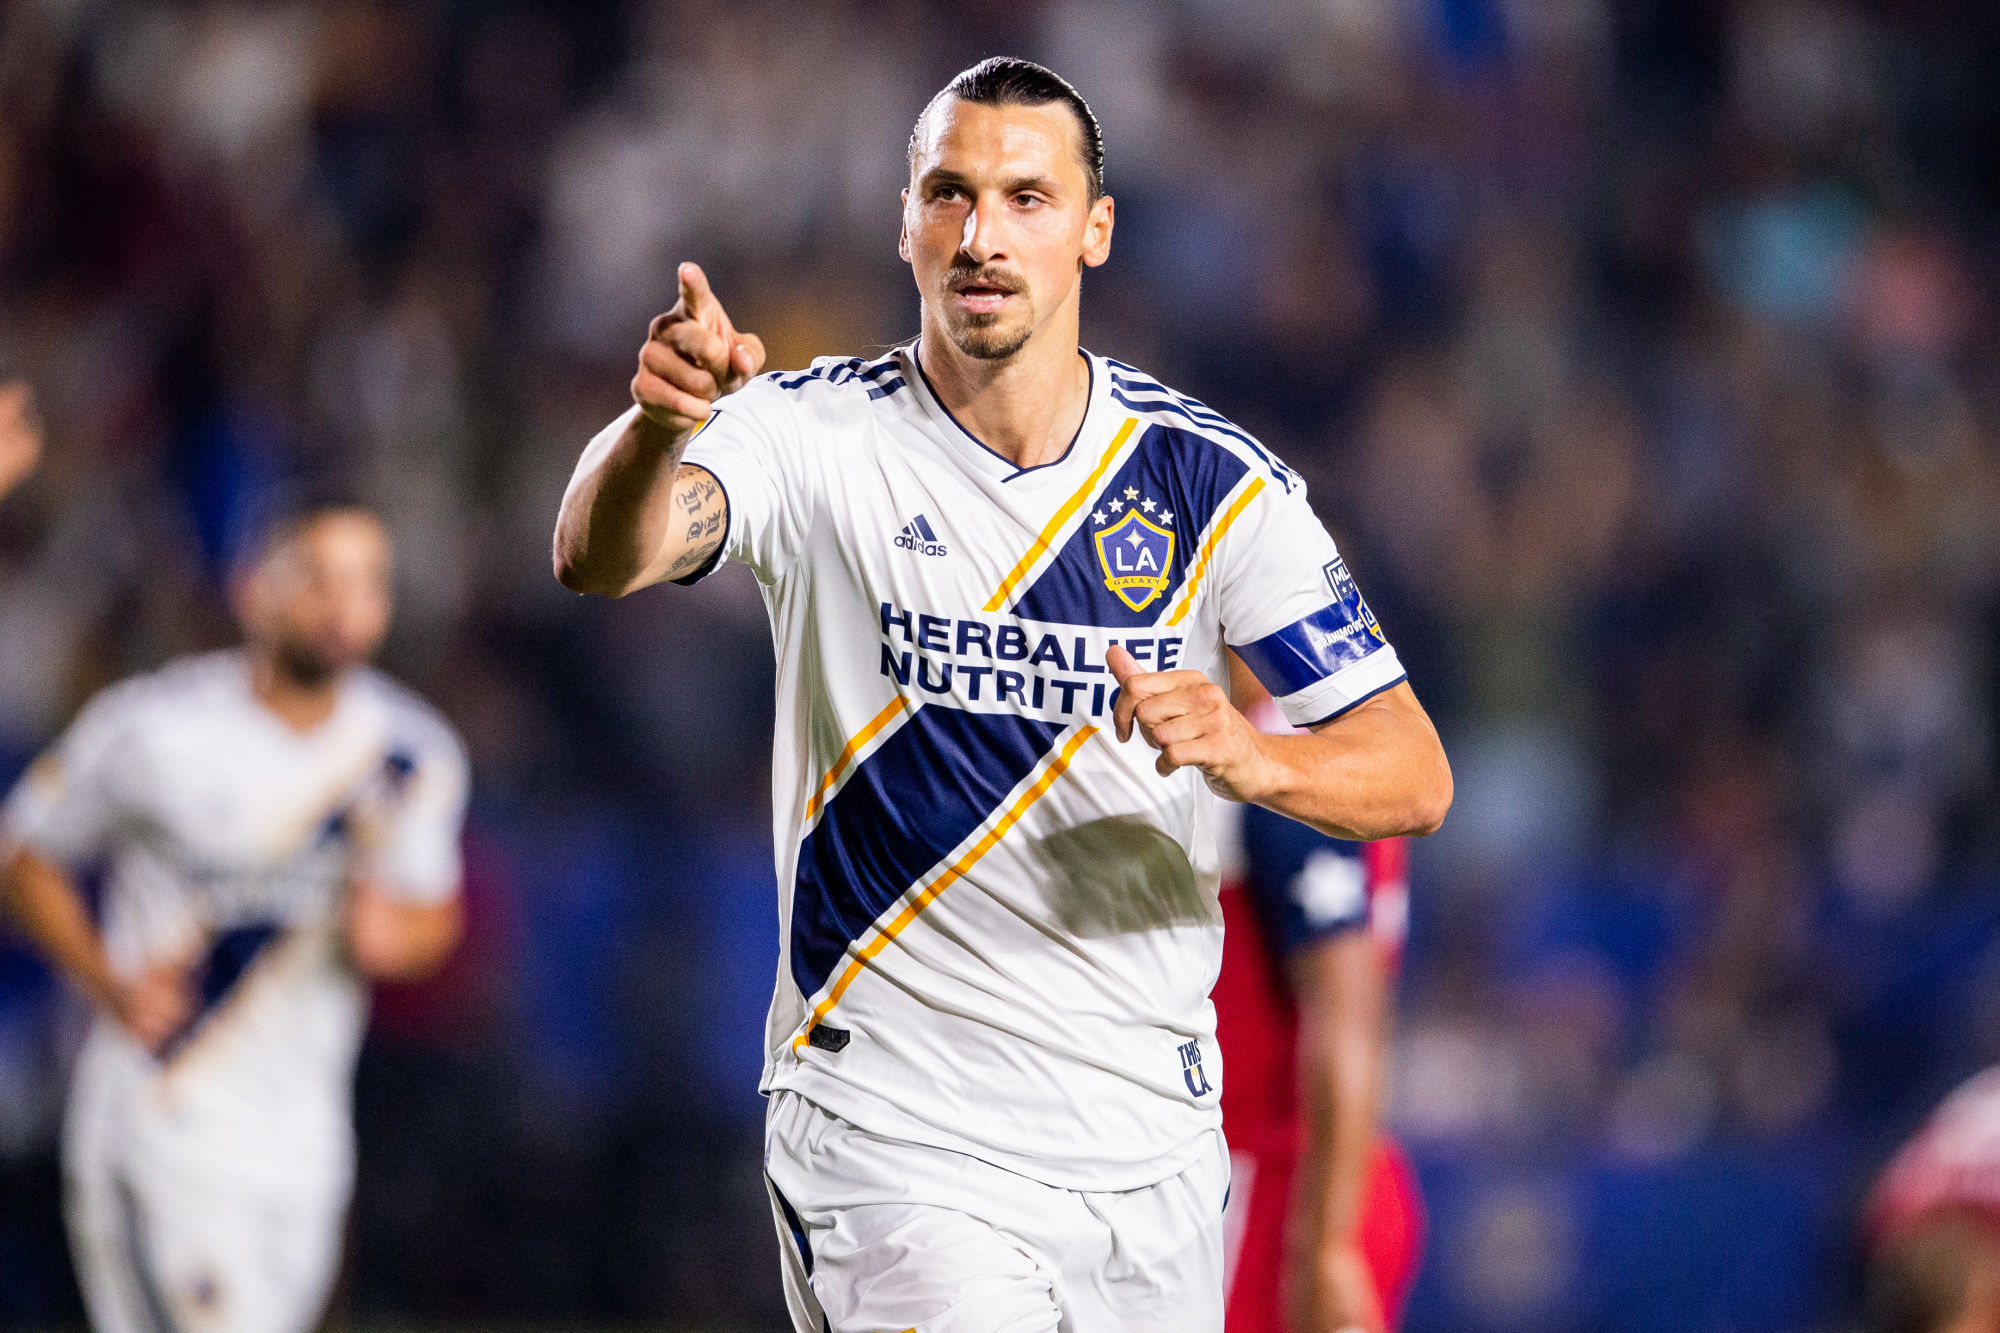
x: 1001, y: 572
x: 1324, y: 1224
x: 279, y: 824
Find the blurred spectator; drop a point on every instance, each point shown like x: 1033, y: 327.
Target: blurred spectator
x: 1934, y: 1221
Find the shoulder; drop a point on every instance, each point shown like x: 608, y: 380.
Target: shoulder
x: 837, y: 383
x: 414, y: 724
x: 1150, y: 400
x: 817, y: 403
x: 168, y: 691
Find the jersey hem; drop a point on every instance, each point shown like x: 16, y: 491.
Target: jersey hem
x: 875, y: 1116
x: 1346, y: 708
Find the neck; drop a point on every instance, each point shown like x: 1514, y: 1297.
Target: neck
x: 1026, y: 407
x: 300, y: 704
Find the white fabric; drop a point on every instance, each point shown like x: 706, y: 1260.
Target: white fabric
x: 163, y: 1241
x: 905, y: 1236
x: 1035, y: 992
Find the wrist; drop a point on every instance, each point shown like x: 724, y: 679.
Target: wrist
x: 1262, y: 778
x: 659, y: 437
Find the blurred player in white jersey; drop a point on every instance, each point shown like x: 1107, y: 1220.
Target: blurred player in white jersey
x: 278, y: 825
x: 1001, y: 572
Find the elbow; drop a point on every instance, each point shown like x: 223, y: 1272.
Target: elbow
x: 1432, y: 802
x: 578, y: 577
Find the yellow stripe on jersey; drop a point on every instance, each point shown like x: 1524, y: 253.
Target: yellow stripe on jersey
x: 1075, y: 502
x: 950, y: 875
x: 853, y: 747
x: 1215, y: 535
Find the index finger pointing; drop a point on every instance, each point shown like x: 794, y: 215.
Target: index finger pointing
x: 696, y: 294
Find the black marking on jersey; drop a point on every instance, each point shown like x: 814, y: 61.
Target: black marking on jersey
x: 828, y: 1039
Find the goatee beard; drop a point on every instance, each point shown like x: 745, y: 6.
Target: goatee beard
x: 985, y: 343
x: 303, y: 667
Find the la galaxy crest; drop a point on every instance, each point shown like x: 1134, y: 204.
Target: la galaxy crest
x: 1136, y: 551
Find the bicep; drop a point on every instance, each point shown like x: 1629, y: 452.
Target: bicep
x: 698, y: 523
x: 1396, y: 708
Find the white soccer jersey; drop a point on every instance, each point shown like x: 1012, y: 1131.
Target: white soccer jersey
x: 1000, y: 925
x: 228, y: 839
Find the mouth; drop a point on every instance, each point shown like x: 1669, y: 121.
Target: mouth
x: 980, y: 298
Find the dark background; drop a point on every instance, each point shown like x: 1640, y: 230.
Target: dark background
x: 1642, y: 356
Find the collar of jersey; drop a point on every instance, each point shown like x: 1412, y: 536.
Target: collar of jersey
x: 988, y: 461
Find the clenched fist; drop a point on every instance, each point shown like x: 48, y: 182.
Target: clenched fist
x: 693, y: 355
x: 1188, y: 718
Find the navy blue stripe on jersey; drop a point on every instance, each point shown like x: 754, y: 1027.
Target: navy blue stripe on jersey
x: 923, y: 792
x: 230, y: 956
x: 797, y: 1228
x: 1307, y: 651
x: 853, y: 368
x: 1142, y: 393
x: 1186, y: 477
x: 884, y: 390
x: 1305, y: 885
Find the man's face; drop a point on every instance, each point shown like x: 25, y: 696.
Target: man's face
x: 998, y: 221
x: 320, y: 599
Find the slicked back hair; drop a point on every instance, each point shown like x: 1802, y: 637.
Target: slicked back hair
x: 286, y: 522
x: 1011, y: 81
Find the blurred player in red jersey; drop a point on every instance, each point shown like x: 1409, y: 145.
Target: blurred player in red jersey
x: 1324, y: 1225
x: 1933, y: 1222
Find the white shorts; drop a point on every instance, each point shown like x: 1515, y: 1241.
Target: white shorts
x: 164, y: 1243
x: 878, y: 1234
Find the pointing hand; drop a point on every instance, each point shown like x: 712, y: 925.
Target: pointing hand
x: 693, y: 355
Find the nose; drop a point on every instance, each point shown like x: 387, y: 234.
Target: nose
x: 980, y: 240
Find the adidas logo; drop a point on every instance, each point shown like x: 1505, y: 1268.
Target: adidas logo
x: 918, y: 536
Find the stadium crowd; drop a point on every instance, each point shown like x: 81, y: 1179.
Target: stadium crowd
x: 1642, y: 355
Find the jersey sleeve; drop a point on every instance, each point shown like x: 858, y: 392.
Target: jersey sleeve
x: 66, y: 805
x: 1293, y: 613
x: 1307, y: 886
x: 417, y: 858
x: 751, y: 446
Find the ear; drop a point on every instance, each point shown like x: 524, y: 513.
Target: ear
x: 903, y: 229
x: 1097, y: 232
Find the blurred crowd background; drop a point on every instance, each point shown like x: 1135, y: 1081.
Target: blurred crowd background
x: 1641, y: 354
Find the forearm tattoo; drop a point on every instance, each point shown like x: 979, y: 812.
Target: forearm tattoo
x: 699, y: 508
